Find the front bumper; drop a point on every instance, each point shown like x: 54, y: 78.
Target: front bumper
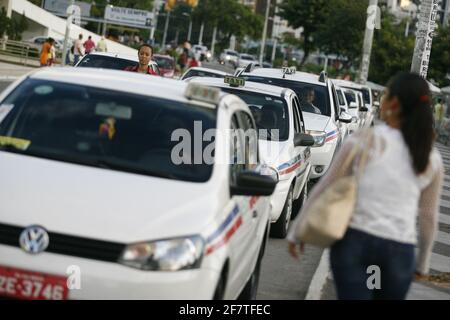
x: 321, y: 158
x: 107, y: 281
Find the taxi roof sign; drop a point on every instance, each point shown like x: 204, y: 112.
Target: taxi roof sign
x: 198, y: 92
x: 234, y: 81
x: 289, y: 70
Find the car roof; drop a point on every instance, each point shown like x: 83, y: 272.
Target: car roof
x: 277, y: 73
x: 208, y: 70
x: 133, y: 58
x: 249, y: 86
x: 349, y: 84
x: 130, y: 82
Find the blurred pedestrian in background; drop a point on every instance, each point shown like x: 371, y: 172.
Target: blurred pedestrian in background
x: 101, y: 45
x: 400, y: 184
x: 145, y: 54
x: 89, y: 45
x: 46, y: 52
x: 438, y: 114
x: 78, y: 49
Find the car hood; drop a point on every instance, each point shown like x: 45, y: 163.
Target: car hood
x: 315, y: 122
x: 98, y: 203
x: 271, y: 152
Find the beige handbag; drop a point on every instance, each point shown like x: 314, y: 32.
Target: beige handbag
x: 328, y: 217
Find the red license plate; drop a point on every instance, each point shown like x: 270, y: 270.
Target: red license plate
x: 21, y: 284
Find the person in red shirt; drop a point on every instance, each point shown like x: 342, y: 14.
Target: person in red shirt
x: 145, y: 54
x: 89, y: 45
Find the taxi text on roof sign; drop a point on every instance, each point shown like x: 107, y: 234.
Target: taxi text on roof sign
x: 234, y: 81
x: 289, y: 70
x: 202, y: 93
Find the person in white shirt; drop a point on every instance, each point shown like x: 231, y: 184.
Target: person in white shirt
x: 78, y: 49
x: 400, y: 186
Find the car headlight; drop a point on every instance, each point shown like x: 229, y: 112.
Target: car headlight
x: 228, y: 57
x: 319, y: 137
x: 165, y: 255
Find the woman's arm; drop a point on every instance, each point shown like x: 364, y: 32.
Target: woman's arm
x: 335, y: 171
x: 429, y: 218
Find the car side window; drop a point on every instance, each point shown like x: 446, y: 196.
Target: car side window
x: 298, y: 112
x: 250, y: 137
x: 237, y: 160
x: 296, y: 116
x: 335, y: 100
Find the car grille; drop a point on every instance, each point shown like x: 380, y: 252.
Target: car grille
x: 68, y: 245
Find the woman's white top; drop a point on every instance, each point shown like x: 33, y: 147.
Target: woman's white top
x: 392, y: 198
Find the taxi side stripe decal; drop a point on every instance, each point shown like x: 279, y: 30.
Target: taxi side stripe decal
x: 227, y: 237
x: 292, y: 168
x: 332, y: 133
x: 224, y: 225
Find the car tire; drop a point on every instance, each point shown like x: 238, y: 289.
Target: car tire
x: 219, y: 293
x: 251, y: 287
x: 280, y: 228
x: 298, y: 204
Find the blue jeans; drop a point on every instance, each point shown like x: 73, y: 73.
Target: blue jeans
x: 356, y: 252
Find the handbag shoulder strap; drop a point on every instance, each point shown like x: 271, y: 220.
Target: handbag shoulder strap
x: 366, y: 137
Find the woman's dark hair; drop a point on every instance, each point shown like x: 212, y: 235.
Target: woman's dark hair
x: 416, y: 116
x: 145, y: 45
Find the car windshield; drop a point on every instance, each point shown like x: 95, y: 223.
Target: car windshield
x: 201, y: 73
x: 313, y: 98
x: 164, y: 63
x: 104, y: 128
x: 105, y: 62
x: 271, y: 113
x: 247, y: 57
x: 365, y: 93
x: 231, y: 53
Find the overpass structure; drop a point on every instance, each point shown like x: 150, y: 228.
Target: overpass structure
x: 43, y: 23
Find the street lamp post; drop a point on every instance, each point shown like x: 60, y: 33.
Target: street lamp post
x: 67, y: 35
x: 368, y: 39
x: 166, y: 27
x: 263, y: 41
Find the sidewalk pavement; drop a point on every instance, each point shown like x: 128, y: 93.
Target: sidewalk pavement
x: 10, y: 72
x: 440, y: 259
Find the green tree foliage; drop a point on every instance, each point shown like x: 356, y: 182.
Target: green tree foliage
x: 342, y: 30
x: 440, y: 57
x: 12, y: 27
x: 308, y: 14
x: 392, y: 51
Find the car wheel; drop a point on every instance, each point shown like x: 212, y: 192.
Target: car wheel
x: 298, y: 204
x: 251, y: 287
x: 280, y: 228
x: 219, y: 294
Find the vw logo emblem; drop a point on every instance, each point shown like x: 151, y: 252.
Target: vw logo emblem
x: 34, y: 239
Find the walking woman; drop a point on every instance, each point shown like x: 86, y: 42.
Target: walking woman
x: 400, y: 185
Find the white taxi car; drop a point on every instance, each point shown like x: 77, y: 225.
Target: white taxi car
x: 284, y: 145
x: 318, y: 103
x: 103, y: 198
x: 367, y: 97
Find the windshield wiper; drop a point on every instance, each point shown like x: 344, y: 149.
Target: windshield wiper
x: 121, y: 166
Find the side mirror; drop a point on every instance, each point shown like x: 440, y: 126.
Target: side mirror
x: 353, y: 105
x: 251, y: 183
x: 345, y: 117
x: 303, y: 140
x: 363, y: 109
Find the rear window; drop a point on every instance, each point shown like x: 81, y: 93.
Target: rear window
x: 271, y: 113
x: 164, y: 63
x: 104, y: 62
x: 201, y: 73
x: 104, y: 128
x: 313, y: 98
